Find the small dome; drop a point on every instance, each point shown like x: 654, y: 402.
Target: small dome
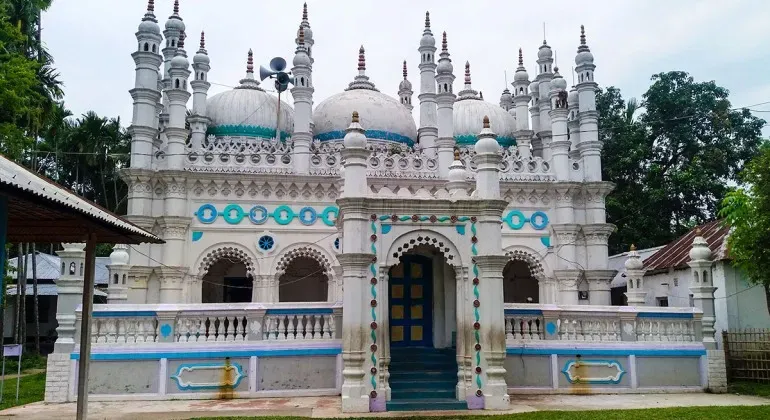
x: 200, y: 58
x: 383, y: 117
x: 634, y: 262
x: 355, y: 137
x: 584, y: 57
x: 149, y: 26
x: 428, y: 40
x: 180, y: 62
x: 559, y: 83
x: 534, y: 87
x: 700, y: 249
x: 545, y: 52
x: 119, y: 255
x: 457, y: 172
x: 405, y: 85
x: 468, y: 116
x: 573, y: 98
x: 444, y: 66
x: 487, y: 142
x: 175, y: 23
x: 506, y: 96
x: 521, y: 75
x: 302, y: 59
x: 248, y: 112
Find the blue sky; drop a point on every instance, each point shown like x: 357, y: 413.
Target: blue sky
x: 721, y: 40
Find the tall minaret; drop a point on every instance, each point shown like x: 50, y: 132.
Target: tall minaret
x: 174, y: 29
x: 405, y: 91
x: 521, y: 100
x: 446, y: 98
x: 573, y: 123
x: 307, y: 33
x: 200, y: 84
x: 589, y: 147
x: 177, y: 106
x: 302, y: 92
x: 558, y: 113
x: 545, y: 66
x: 428, y: 132
x: 144, y: 126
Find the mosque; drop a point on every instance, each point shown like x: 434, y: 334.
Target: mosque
x: 407, y: 261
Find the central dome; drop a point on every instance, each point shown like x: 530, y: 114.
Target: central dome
x: 383, y: 117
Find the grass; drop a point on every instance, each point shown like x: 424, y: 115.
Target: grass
x: 679, y: 413
x: 750, y: 388
x: 31, y: 389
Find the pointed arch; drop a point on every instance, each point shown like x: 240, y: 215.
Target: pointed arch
x: 412, y: 239
x: 531, y: 258
x: 230, y: 251
x: 306, y: 250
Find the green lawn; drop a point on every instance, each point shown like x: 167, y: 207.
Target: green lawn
x: 750, y: 388
x: 679, y: 413
x: 31, y: 389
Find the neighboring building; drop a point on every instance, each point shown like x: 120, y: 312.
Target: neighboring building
x: 344, y: 249
x: 48, y: 271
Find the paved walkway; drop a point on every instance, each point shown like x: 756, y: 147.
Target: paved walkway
x: 330, y: 406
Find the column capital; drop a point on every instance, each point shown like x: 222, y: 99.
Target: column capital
x: 492, y: 263
x: 356, y: 261
x: 598, y: 233
x: 600, y: 275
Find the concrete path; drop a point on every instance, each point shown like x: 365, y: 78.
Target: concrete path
x: 330, y: 406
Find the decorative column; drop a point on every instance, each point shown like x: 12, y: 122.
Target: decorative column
x: 545, y: 64
x: 200, y: 84
x: 635, y: 292
x: 428, y: 132
x: 446, y: 98
x: 702, y: 288
x: 302, y: 92
x: 137, y: 284
x: 521, y: 100
x: 597, y: 274
x: 118, y: 278
x: 178, y: 95
x: 69, y: 288
x: 568, y: 271
x: 560, y: 144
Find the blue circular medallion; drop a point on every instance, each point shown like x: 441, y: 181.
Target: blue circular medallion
x: 258, y: 215
x: 201, y: 213
x: 328, y: 221
x: 227, y: 214
x: 283, y: 215
x: 539, y: 224
x: 520, y: 219
x: 308, y: 216
x: 266, y: 242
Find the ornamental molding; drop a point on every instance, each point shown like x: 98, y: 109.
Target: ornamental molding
x: 227, y: 251
x: 407, y: 242
x: 532, y: 260
x: 306, y: 250
x: 286, y: 189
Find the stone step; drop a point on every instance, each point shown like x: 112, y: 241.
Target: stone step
x: 422, y: 383
x: 428, y: 375
x: 426, y: 404
x: 419, y: 393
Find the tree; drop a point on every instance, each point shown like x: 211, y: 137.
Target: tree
x: 672, y: 165
x: 747, y: 212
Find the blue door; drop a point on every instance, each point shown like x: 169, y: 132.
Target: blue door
x: 411, y: 302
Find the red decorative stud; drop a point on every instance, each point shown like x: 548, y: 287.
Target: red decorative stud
x: 373, y: 303
x: 373, y: 325
x: 373, y: 238
x: 433, y: 218
x: 479, y: 393
x: 474, y: 219
x: 478, y: 369
x: 415, y: 218
x: 373, y: 370
x: 373, y: 281
x: 475, y: 281
x: 476, y: 303
x: 373, y: 394
x: 453, y: 219
x: 373, y: 217
x: 373, y: 348
x: 474, y: 239
x: 476, y: 326
x: 477, y: 347
x: 394, y: 218
x: 374, y: 259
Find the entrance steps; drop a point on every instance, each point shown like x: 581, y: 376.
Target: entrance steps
x: 423, y: 379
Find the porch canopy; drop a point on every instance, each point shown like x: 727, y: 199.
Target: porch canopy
x: 34, y: 209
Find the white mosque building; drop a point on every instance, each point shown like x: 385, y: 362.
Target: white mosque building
x: 341, y: 231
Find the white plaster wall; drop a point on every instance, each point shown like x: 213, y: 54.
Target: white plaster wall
x: 674, y: 284
x: 746, y: 303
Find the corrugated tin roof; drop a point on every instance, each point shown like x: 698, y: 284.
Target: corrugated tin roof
x: 677, y: 253
x: 49, y: 267
x: 31, y: 194
x: 618, y: 262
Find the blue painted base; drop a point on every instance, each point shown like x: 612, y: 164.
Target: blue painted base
x: 423, y: 379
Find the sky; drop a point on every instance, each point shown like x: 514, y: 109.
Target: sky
x: 721, y: 40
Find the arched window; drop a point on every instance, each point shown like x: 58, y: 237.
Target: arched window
x: 226, y: 281
x: 176, y: 84
x: 519, y: 286
x: 146, y: 46
x: 124, y: 279
x: 62, y: 268
x: 154, y: 48
x: 115, y: 279
x: 72, y: 268
x: 304, y: 280
x: 173, y: 43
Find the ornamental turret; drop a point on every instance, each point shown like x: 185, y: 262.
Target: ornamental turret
x: 405, y: 90
x: 200, y: 85
x: 521, y: 100
x: 558, y: 113
x: 589, y: 146
x: 178, y: 95
x: 307, y: 34
x: 144, y: 127
x: 545, y: 69
x: 174, y: 28
x: 302, y: 92
x: 428, y: 131
x: 445, y: 99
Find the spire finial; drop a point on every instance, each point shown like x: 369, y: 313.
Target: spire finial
x: 457, y: 154
x: 521, y: 58
x: 582, y: 35
x: 698, y: 232
x: 404, y: 69
x: 176, y: 7
x: 150, y: 6
x: 304, y: 12
x: 203, y: 40
x: 443, y: 43
x: 250, y: 62
x: 180, y: 44
x: 481, y: 95
x: 467, y: 73
x: 486, y: 121
x: 544, y: 42
x: 301, y: 37
x: 361, y: 59
x: 427, y: 20
x: 355, y: 117
x: 633, y: 247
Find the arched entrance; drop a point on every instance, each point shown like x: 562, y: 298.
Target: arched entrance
x: 519, y: 285
x: 304, y: 280
x: 411, y: 302
x: 228, y: 276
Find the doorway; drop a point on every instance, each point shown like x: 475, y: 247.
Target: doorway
x: 411, y: 302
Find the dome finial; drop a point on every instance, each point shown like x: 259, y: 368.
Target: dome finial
x: 633, y: 247
x: 250, y: 62
x: 467, y: 73
x: 180, y: 44
x: 457, y: 154
x: 427, y: 20
x: 486, y: 121
x: 404, y: 70
x: 361, y: 59
x: 582, y: 35
x: 176, y: 7
x: 521, y: 58
x: 301, y: 35
x: 203, y: 40
x: 150, y: 6
x: 481, y: 95
x: 444, y: 44
x: 304, y: 12
x: 355, y: 117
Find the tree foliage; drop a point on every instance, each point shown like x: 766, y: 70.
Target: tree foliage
x: 747, y: 212
x: 673, y: 163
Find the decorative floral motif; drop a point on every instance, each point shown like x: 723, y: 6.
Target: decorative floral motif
x: 373, y: 304
x: 476, y: 305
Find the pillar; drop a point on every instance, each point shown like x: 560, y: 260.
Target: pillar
x: 137, y: 284
x: 635, y: 292
x: 568, y: 286
x: 69, y: 288
x: 117, y: 286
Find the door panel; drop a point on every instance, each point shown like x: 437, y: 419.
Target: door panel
x: 411, y: 301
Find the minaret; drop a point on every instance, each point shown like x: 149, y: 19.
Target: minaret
x: 428, y: 131
x: 506, y: 100
x: 200, y: 84
x: 405, y: 91
x: 521, y: 100
x: 302, y: 92
x: 534, y: 111
x: 446, y: 98
x: 117, y: 287
x: 558, y: 113
x: 174, y: 29
x: 545, y: 66
x: 590, y: 148
x: 177, y: 106
x: 636, y: 294
x: 144, y: 126
x: 573, y: 124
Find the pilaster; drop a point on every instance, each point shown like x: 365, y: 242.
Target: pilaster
x: 69, y: 288
x: 597, y: 237
x: 568, y: 286
x: 171, y: 283
x: 599, y: 291
x: 137, y: 284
